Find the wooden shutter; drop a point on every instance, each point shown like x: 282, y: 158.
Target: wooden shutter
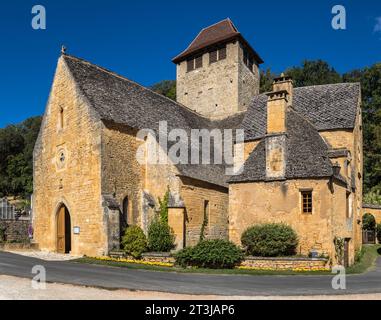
x: 222, y: 53
x: 190, y: 65
x: 213, y: 56
x: 198, y: 62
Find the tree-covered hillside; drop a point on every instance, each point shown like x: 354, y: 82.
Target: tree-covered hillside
x: 16, y: 157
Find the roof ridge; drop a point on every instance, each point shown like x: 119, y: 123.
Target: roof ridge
x: 328, y: 84
x: 209, y: 27
x: 223, y: 20
x: 303, y: 118
x: 309, y: 123
x: 133, y: 82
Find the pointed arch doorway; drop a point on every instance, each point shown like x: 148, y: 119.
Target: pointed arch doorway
x: 63, y: 230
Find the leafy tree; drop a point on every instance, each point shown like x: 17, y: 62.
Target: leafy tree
x: 166, y: 88
x: 313, y: 73
x: 16, y: 157
x: 266, y: 81
x: 368, y: 222
x: 373, y: 197
x: 163, y: 209
x: 370, y: 79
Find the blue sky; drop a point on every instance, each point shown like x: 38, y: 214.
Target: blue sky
x: 138, y: 39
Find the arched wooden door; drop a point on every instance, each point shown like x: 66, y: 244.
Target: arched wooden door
x: 63, y: 231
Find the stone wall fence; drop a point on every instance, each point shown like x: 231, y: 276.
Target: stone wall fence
x: 257, y: 263
x: 14, y: 231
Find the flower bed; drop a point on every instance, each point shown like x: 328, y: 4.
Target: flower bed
x: 295, y: 264
x: 134, y: 261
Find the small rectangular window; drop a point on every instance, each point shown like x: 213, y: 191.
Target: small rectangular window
x: 190, y: 65
x: 222, y: 53
x: 213, y: 56
x: 198, y: 62
x: 306, y: 201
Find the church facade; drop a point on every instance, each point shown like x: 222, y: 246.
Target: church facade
x: 302, y: 153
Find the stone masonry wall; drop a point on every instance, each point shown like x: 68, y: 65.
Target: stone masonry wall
x: 74, y: 181
x: 280, y: 202
x: 15, y: 231
x: 121, y: 172
x: 376, y: 212
x: 352, y: 141
x: 248, y: 82
x: 285, y: 263
x: 219, y: 89
x: 194, y: 194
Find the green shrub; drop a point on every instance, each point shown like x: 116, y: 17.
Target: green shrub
x: 163, y: 210
x: 214, y: 254
x: 378, y: 231
x: 160, y: 237
x: 134, y: 242
x: 270, y: 240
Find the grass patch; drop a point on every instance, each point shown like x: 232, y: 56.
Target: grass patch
x: 136, y: 266
x: 366, y: 259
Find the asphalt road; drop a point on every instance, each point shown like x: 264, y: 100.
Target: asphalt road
x: 186, y: 283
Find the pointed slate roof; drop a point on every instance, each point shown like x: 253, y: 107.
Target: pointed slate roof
x: 220, y: 32
x: 306, y: 154
x: 122, y: 101
x: 327, y: 107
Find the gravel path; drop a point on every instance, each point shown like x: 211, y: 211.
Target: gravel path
x: 46, y: 256
x: 12, y: 288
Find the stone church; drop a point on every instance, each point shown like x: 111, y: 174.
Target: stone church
x: 303, y: 162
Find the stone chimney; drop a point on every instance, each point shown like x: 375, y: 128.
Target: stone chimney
x: 277, y: 104
x: 284, y: 83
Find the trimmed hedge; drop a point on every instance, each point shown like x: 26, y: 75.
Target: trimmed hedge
x: 270, y: 240
x: 134, y: 242
x: 160, y: 237
x: 213, y: 254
